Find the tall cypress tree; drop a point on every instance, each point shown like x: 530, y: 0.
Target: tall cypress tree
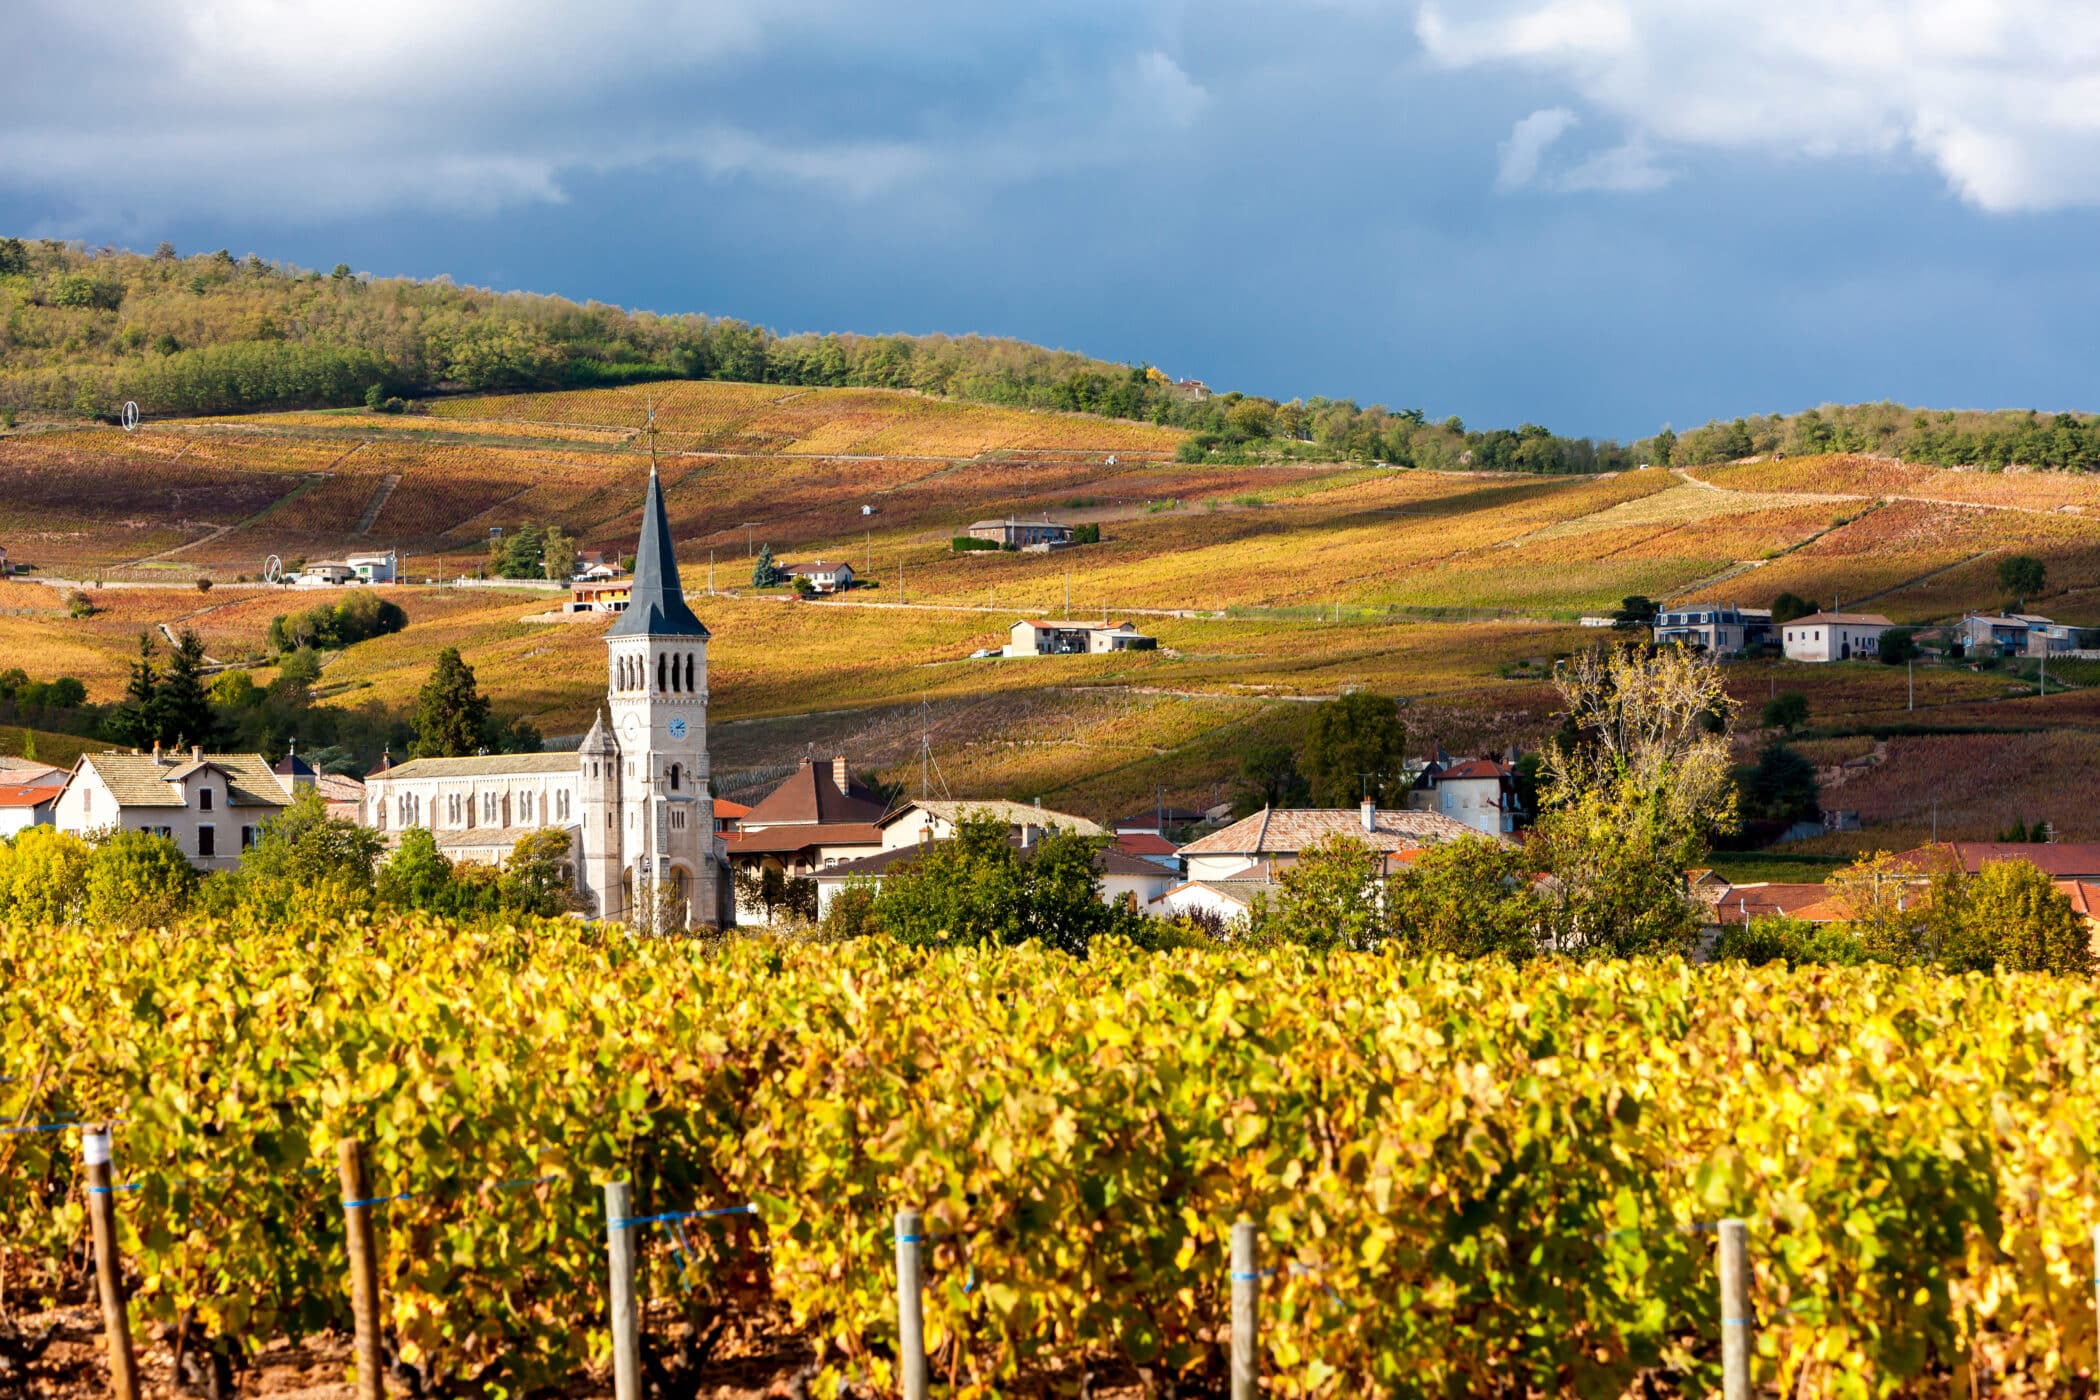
x: 134, y: 721
x: 765, y: 574
x: 450, y: 709
x: 181, y: 709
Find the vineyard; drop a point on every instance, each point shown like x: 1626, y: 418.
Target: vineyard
x: 1461, y: 1172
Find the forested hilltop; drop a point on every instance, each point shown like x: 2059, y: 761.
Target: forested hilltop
x: 82, y: 330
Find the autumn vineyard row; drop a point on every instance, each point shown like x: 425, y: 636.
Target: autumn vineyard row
x: 1470, y: 1172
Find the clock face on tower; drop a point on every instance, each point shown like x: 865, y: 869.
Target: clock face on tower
x: 634, y: 726
x: 678, y: 726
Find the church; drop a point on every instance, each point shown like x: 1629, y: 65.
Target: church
x: 633, y: 797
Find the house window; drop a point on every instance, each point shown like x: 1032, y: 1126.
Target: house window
x: 247, y: 838
x: 87, y: 802
x: 207, y: 843
x: 488, y: 808
x: 204, y: 799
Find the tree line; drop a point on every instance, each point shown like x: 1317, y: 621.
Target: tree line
x: 83, y: 330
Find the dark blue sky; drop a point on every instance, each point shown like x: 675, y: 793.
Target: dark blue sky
x: 1600, y: 215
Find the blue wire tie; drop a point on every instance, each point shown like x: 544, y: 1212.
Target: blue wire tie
x: 626, y: 1222
x: 46, y: 1127
x: 1738, y: 1322
x: 377, y: 1201
x: 680, y: 1243
x: 105, y: 1190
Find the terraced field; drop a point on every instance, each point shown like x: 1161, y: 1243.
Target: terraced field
x: 1265, y: 584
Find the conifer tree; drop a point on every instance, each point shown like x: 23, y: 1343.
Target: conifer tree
x: 450, y: 709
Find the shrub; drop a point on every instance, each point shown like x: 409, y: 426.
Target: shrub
x: 1776, y: 938
x: 78, y: 604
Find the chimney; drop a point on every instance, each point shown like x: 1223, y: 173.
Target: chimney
x: 838, y: 772
x: 196, y: 753
x: 156, y: 750
x: 1370, y: 811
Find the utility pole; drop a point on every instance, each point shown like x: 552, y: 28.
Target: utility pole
x: 1910, y: 680
x: 1068, y: 593
x: 871, y: 551
x: 900, y: 580
x: 710, y: 573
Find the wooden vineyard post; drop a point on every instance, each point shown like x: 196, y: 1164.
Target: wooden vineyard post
x: 1246, y: 1295
x: 911, y: 1314
x: 1737, y: 1326
x: 626, y: 1319
x: 364, y: 1267
x: 109, y: 1269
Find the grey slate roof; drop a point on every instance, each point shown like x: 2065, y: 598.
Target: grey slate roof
x: 492, y: 765
x: 656, y: 602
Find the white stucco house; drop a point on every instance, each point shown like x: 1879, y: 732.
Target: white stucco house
x: 210, y: 805
x: 1833, y: 636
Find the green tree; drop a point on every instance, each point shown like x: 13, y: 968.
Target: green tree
x: 1791, y: 607
x: 980, y: 888
x: 1633, y: 792
x: 1269, y: 777
x: 1782, y: 787
x: 181, y: 709
x: 303, y: 861
x: 2022, y: 575
x: 1467, y: 898
x: 138, y: 880
x: 1636, y: 611
x: 1356, y: 747
x: 1787, y: 711
x: 534, y: 881
x: 43, y: 875
x: 2008, y: 915
x: 1775, y: 938
x: 450, y: 710
x: 134, y: 720
x: 1898, y: 645
x: 557, y: 554
x: 417, y: 875
x: 1331, y: 897
x: 765, y: 573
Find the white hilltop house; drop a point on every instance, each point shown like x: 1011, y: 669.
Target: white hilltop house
x: 633, y: 797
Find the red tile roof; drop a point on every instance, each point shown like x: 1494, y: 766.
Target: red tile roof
x: 1144, y: 843
x: 810, y: 796
x: 1743, y: 903
x: 2062, y: 860
x: 779, y: 840
x: 29, y: 794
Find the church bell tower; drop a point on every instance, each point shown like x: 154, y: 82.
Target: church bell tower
x: 656, y: 691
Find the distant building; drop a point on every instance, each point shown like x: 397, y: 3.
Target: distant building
x: 1477, y: 792
x: 210, y: 805
x: 1023, y: 534
x: 827, y: 577
x: 938, y: 820
x: 1075, y: 639
x: 326, y: 573
x: 2013, y: 634
x: 375, y: 568
x: 1278, y: 835
x: 1125, y: 879
x: 1716, y: 630
x: 1834, y: 636
x: 597, y: 564
x: 606, y: 595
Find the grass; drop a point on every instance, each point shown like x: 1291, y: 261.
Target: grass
x: 1774, y: 867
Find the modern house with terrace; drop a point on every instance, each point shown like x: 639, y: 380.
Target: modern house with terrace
x: 1023, y: 534
x: 1075, y: 639
x: 2013, y: 634
x: 1714, y: 629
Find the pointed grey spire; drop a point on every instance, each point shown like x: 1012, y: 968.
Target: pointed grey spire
x: 656, y: 604
x: 598, y: 740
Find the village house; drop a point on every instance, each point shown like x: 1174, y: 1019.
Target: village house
x: 1074, y: 639
x: 1279, y: 835
x: 210, y: 805
x: 383, y: 567
x: 326, y: 573
x: 1834, y: 636
x: 29, y: 794
x: 820, y: 816
x: 597, y: 565
x: 633, y: 798
x: 1477, y: 792
x: 1023, y: 534
x: 1718, y: 631
x: 599, y: 595
x: 341, y: 796
x: 827, y: 577
x: 2013, y: 634
x: 916, y: 823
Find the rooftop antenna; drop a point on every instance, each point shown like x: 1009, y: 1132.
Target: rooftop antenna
x: 652, y: 435
x: 929, y: 766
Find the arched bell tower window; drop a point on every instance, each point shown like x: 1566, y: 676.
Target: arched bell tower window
x: 689, y: 673
x: 674, y: 777
x: 660, y: 686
